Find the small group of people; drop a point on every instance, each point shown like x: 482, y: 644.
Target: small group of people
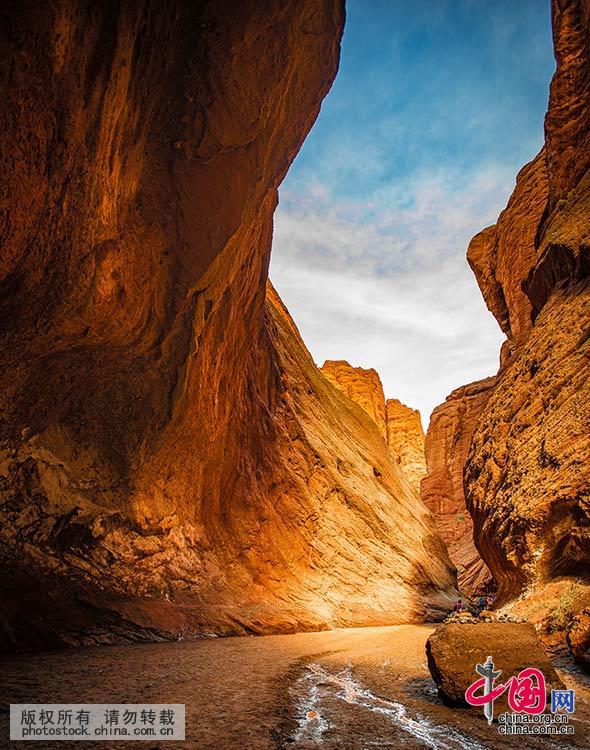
x: 484, y: 601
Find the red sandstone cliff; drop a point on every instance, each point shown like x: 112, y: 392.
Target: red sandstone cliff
x: 171, y: 459
x: 361, y: 385
x: 502, y: 255
x: 399, y: 425
x: 448, y: 439
x: 405, y: 438
x: 526, y: 478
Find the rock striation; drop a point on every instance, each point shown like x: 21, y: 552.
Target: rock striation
x: 400, y: 426
x: 361, y: 385
x: 448, y: 440
x: 171, y: 460
x: 526, y: 480
x: 405, y: 438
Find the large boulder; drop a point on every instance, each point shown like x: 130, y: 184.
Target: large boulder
x: 454, y: 649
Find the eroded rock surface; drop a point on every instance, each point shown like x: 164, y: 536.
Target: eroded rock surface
x: 502, y: 255
x: 448, y: 440
x: 172, y: 461
x: 399, y: 424
x: 405, y: 438
x: 527, y: 480
x: 526, y: 477
x: 578, y: 638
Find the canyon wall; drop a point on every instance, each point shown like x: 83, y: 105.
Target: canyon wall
x: 399, y: 425
x: 527, y: 477
x: 405, y: 438
x: 171, y: 461
x: 448, y: 440
x: 360, y: 384
x: 502, y: 255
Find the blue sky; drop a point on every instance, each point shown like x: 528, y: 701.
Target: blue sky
x: 436, y: 106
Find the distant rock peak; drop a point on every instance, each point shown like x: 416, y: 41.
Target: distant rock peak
x: 400, y: 425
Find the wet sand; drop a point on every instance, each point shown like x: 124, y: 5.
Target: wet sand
x: 358, y: 688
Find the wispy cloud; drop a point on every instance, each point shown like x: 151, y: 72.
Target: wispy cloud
x: 388, y: 287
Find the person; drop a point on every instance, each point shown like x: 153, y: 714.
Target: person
x: 482, y: 603
x: 458, y: 605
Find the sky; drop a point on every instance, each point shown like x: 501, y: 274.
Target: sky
x: 436, y: 106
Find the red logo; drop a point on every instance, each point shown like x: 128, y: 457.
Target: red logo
x: 526, y: 693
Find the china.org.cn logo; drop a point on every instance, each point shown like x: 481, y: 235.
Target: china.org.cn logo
x: 527, y: 699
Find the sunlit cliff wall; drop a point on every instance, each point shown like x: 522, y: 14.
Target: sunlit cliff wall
x: 405, y: 438
x: 399, y: 425
x: 361, y: 385
x: 171, y: 459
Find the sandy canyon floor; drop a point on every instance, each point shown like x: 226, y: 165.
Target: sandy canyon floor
x: 358, y: 688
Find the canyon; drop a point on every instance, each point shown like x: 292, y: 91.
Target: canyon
x: 515, y: 448
x: 172, y: 461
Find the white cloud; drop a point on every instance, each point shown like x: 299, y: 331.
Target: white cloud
x: 385, y: 283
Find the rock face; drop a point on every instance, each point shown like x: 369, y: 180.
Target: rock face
x: 578, y: 638
x: 447, y: 446
x: 527, y: 485
x: 399, y: 425
x: 502, y: 255
x: 361, y: 385
x: 171, y: 459
x: 526, y: 479
x: 405, y: 438
x: 454, y: 649
x: 567, y: 123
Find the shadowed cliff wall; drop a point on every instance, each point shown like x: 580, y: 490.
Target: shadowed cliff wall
x: 527, y: 478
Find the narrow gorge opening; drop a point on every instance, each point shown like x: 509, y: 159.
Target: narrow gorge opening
x: 407, y: 161
x: 415, y: 150
x: 176, y: 469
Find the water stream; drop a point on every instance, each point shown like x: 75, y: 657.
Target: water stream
x: 317, y: 684
x: 353, y: 689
